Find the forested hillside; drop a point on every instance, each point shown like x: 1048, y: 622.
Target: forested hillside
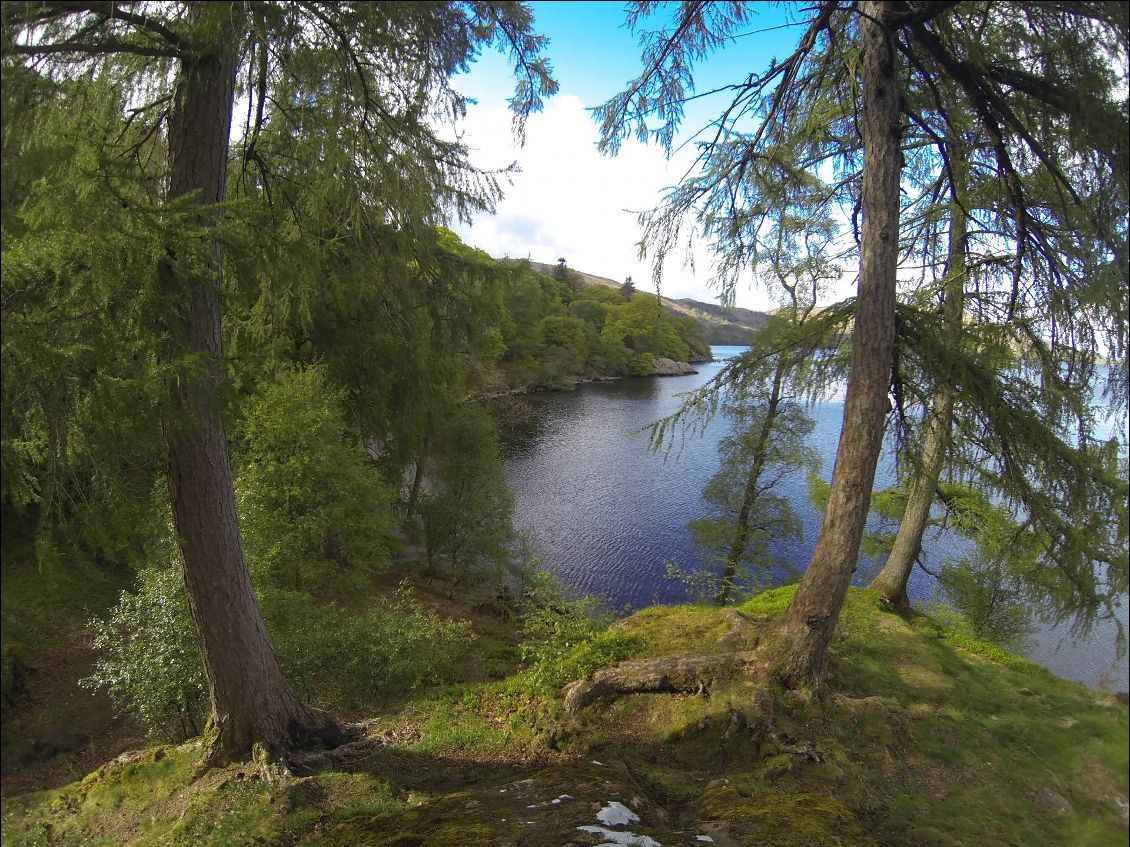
x: 716, y: 324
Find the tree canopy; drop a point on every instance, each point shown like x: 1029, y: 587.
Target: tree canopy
x: 854, y: 125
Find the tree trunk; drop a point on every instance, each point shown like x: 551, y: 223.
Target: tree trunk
x: 893, y: 579
x: 417, y: 479
x: 811, y: 618
x: 251, y: 701
x: 749, y: 495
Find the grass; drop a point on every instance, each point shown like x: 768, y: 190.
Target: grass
x: 922, y: 736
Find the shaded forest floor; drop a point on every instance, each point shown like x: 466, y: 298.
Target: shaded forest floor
x: 54, y: 730
x: 921, y: 737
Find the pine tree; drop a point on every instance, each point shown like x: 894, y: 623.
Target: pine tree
x: 341, y: 79
x: 868, y: 94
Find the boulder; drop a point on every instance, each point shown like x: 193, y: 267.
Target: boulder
x: 669, y: 367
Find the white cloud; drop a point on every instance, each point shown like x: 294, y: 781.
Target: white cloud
x: 570, y: 201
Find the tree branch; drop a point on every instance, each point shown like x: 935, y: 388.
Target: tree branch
x: 89, y: 48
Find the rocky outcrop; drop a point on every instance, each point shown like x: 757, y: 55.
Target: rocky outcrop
x: 669, y: 367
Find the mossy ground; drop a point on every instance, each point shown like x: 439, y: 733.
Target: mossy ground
x: 920, y: 737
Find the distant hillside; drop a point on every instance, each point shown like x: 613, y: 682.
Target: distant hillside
x: 719, y: 324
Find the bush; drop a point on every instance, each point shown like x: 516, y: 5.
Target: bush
x: 148, y: 658
x: 702, y: 585
x: 991, y: 603
x: 566, y: 639
x: 342, y: 660
x: 150, y: 664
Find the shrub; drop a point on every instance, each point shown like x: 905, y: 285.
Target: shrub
x: 150, y: 664
x: 566, y: 639
x: 148, y: 658
x: 342, y: 660
x: 990, y: 600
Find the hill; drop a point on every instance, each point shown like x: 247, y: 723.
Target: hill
x: 720, y: 325
x: 922, y: 737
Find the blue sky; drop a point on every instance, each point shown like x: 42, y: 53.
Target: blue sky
x: 569, y: 201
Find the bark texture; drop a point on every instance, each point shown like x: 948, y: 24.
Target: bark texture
x: 686, y: 672
x: 893, y: 579
x: 251, y: 701
x: 812, y: 616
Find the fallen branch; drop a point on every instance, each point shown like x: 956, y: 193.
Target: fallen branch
x: 684, y: 672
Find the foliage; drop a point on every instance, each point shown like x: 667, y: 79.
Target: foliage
x: 311, y: 503
x: 998, y: 586
x: 565, y: 639
x: 339, y: 658
x: 1040, y: 107
x: 558, y: 333
x: 887, y: 506
x: 345, y: 151
x: 148, y: 658
x: 766, y: 444
x: 641, y: 327
x: 79, y: 390
x: 355, y: 659
x: 980, y: 732
x: 702, y: 585
x: 991, y: 602
x: 466, y: 514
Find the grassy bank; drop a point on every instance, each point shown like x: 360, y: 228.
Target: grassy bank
x: 921, y: 737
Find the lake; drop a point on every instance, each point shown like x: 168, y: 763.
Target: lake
x: 606, y: 515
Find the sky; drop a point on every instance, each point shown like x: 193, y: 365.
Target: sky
x: 571, y: 202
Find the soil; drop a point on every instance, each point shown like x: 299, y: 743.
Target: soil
x: 56, y: 731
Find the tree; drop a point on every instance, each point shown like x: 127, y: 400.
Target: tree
x: 627, y: 289
x: 892, y: 580
x: 791, y: 359
x: 467, y: 512
x: 310, y: 502
x: 307, y: 66
x: 811, y: 110
x: 768, y: 442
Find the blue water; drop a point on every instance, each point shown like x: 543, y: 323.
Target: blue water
x: 606, y: 514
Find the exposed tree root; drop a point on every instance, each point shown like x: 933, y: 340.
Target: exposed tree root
x: 684, y: 672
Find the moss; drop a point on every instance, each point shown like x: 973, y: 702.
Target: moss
x: 915, y: 740
x: 784, y: 820
x: 773, y: 602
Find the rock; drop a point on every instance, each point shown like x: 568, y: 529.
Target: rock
x: 617, y: 814
x: 669, y: 367
x: 1053, y: 802
x: 1121, y: 806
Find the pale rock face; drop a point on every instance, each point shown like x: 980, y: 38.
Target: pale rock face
x: 669, y: 367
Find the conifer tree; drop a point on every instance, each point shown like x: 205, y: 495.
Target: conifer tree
x: 359, y: 87
x: 870, y: 92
